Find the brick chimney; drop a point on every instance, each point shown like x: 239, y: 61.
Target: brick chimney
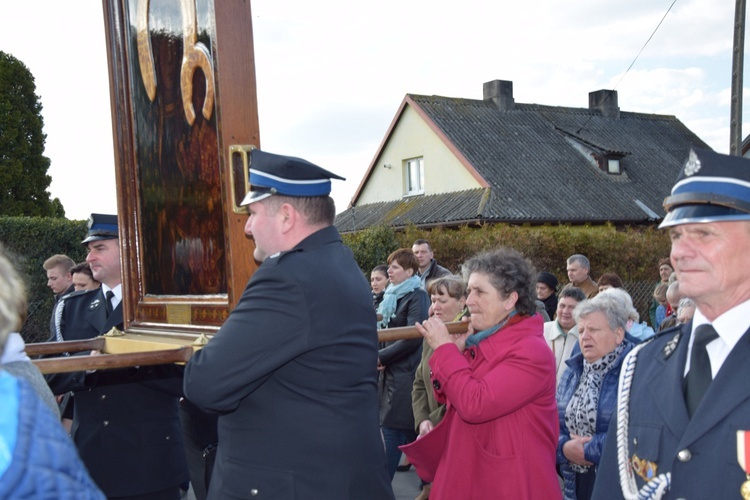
x: 501, y: 93
x: 606, y: 102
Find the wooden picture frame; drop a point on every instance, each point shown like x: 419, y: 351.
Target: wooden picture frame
x: 185, y: 115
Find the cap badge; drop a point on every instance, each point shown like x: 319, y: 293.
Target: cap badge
x: 693, y: 164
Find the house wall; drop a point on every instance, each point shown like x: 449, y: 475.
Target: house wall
x: 412, y: 138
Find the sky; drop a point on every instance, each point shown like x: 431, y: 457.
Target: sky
x: 332, y: 74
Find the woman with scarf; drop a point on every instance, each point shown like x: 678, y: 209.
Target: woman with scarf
x: 587, y: 395
x: 404, y: 304
x: 498, y: 436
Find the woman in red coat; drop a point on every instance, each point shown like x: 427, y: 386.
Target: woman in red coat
x: 500, y: 430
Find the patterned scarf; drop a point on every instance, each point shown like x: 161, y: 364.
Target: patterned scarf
x: 580, y: 415
x: 387, y: 308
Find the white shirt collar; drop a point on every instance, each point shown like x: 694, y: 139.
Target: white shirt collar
x: 116, y: 290
x: 730, y: 326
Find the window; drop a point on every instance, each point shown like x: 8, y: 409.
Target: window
x: 613, y: 166
x: 414, y: 173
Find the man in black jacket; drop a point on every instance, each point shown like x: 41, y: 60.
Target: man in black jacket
x: 125, y: 422
x: 292, y: 371
x: 429, y: 269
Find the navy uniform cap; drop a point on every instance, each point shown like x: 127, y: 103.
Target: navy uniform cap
x: 287, y: 176
x: 712, y: 187
x: 101, y: 227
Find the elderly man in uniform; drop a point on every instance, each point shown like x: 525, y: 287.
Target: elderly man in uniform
x: 683, y: 419
x: 292, y: 370
x: 125, y: 422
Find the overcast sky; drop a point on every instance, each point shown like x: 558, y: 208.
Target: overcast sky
x: 332, y: 73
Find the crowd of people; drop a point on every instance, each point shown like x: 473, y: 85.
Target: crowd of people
x: 485, y: 399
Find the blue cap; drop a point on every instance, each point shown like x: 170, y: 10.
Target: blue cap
x: 712, y: 187
x: 101, y: 227
x: 286, y: 176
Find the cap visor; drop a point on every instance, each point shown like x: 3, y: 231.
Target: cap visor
x: 701, y: 214
x: 254, y: 196
x: 97, y: 237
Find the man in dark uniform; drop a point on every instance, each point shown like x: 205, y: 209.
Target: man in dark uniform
x: 293, y: 369
x: 125, y: 423
x: 684, y: 406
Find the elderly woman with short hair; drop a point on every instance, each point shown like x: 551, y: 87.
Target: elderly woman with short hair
x: 498, y: 436
x: 587, y: 394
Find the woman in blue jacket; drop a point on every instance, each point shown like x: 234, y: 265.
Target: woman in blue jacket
x: 587, y: 394
x: 37, y: 457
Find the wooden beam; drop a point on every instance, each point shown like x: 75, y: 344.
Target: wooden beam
x: 132, y: 350
x: 410, y: 332
x: 47, y: 348
x: 108, y: 361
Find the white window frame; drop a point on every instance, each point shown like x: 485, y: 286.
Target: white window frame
x: 414, y: 176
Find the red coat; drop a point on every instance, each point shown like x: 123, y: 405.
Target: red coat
x: 502, y: 438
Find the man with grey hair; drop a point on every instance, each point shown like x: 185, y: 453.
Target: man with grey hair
x: 683, y: 420
x: 578, y: 273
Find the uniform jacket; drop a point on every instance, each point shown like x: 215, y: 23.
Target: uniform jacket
x: 400, y: 359
x: 43, y: 461
x: 502, y: 437
x: 125, y: 422
x: 701, y: 453
x: 607, y: 405
x: 293, y: 372
x: 70, y: 289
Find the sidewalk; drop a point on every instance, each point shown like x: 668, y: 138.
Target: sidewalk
x: 406, y: 485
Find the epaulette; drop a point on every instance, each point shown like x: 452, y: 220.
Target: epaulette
x: 671, y: 346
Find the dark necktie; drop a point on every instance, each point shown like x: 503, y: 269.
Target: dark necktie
x: 699, y: 377
x: 108, y: 302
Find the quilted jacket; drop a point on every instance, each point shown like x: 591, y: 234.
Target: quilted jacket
x: 37, y: 458
x: 607, y: 405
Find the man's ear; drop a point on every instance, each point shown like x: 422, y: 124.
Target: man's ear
x: 288, y: 216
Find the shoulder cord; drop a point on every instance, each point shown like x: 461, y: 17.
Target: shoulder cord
x: 58, y: 321
x: 654, y: 489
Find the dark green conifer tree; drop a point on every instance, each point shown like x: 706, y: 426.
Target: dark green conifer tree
x: 23, y: 167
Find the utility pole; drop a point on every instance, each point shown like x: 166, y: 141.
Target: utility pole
x: 738, y: 55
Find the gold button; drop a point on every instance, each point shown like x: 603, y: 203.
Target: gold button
x: 684, y: 455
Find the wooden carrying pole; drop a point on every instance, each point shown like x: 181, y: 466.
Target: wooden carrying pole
x: 175, y: 354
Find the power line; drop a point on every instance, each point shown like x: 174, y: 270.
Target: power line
x: 634, y: 60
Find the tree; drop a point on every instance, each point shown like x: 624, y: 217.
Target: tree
x: 23, y: 166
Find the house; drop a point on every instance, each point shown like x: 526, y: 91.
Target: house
x: 450, y: 161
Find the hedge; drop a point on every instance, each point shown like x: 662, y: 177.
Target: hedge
x: 632, y: 253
